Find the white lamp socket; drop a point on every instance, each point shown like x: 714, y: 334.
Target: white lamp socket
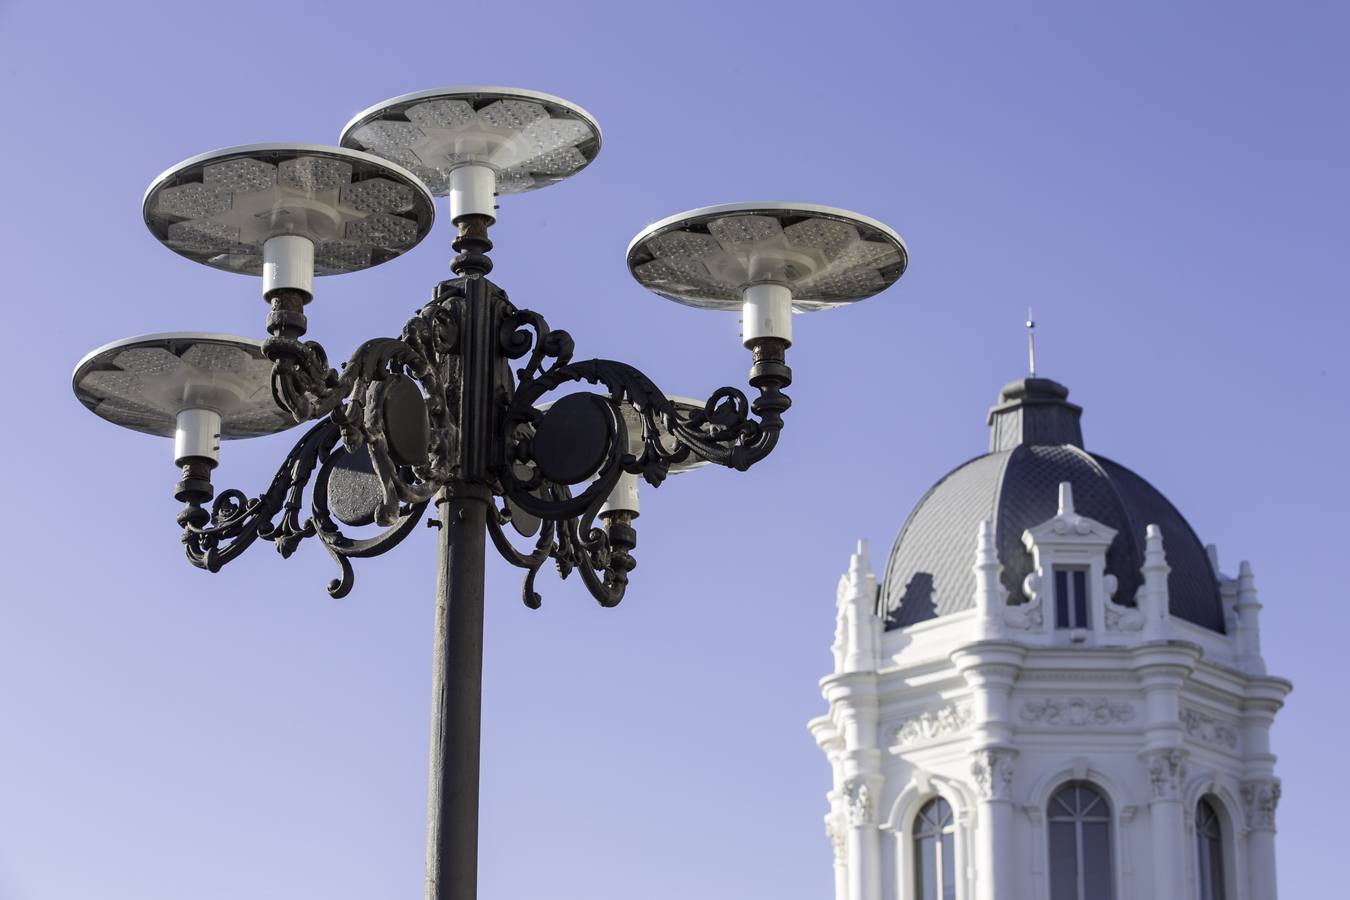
x: 624, y: 496
x: 473, y: 192
x: 197, y: 436
x: 766, y: 313
x: 288, y: 262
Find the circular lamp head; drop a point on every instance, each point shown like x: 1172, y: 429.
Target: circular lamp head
x: 505, y: 141
x: 144, y: 383
x: 355, y: 210
x: 825, y: 257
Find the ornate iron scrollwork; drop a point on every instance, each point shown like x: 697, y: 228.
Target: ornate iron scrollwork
x: 355, y: 409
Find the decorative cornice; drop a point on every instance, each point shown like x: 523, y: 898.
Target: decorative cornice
x: 1259, y: 799
x: 1078, y: 711
x: 1067, y: 675
x: 1166, y: 771
x: 933, y: 724
x: 1209, y: 729
x: 992, y: 771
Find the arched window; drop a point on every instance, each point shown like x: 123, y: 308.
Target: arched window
x: 1209, y: 841
x: 1080, y: 844
x: 935, y: 852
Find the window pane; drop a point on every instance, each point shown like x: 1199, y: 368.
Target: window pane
x: 948, y: 867
x: 925, y: 870
x: 1063, y: 861
x: 1203, y: 870
x: 1062, y: 599
x: 1216, y: 872
x: 1080, y: 619
x: 1209, y: 839
x: 1096, y: 861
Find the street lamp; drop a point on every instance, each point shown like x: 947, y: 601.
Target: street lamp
x: 436, y: 414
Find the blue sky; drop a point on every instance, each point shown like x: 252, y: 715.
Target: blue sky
x: 1165, y: 182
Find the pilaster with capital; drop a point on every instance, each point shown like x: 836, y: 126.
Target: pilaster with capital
x: 855, y: 719
x: 831, y: 743
x: 1260, y: 789
x: 991, y: 668
x: 1162, y: 669
x: 1259, y: 799
x: 1166, y: 772
x: 996, y: 864
x: 991, y: 771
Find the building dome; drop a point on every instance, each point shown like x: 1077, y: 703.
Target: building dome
x: 1035, y: 444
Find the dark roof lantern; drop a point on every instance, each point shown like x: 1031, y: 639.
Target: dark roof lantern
x: 1034, y: 411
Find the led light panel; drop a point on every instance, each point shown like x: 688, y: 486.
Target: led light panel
x: 142, y: 383
x: 219, y: 208
x: 529, y: 139
x: 708, y: 257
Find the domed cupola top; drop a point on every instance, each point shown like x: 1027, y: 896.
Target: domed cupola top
x: 1036, y: 444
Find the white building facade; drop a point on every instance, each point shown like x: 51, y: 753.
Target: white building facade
x: 1052, y: 694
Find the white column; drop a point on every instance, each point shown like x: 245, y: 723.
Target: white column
x: 1162, y: 670
x: 864, y: 839
x: 854, y: 710
x: 831, y: 743
x: 839, y: 845
x: 1260, y: 787
x: 990, y: 668
x: 996, y: 868
x: 1167, y: 822
x: 1259, y: 799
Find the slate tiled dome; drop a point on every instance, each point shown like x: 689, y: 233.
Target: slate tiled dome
x: 1036, y: 443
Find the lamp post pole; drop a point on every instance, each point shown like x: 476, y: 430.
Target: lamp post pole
x: 456, y: 695
x: 457, y: 667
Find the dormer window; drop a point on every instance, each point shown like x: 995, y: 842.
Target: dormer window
x: 1071, y: 597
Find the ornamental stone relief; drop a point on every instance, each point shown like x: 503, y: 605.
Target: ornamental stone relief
x: 1077, y: 711
x: 934, y: 724
x: 1259, y: 799
x: 834, y: 830
x: 1209, y: 729
x: 1123, y: 618
x: 1027, y: 616
x: 858, y: 803
x: 992, y: 772
x: 1166, y: 771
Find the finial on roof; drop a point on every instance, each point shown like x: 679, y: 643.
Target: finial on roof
x: 1031, y: 341
x: 1066, y: 499
x: 861, y: 561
